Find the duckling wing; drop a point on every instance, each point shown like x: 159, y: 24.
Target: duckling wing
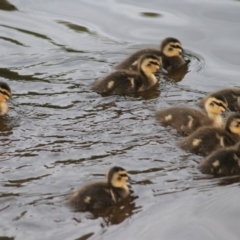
x: 173, y: 63
x: 118, y: 83
x: 185, y: 120
x: 131, y: 62
x: 221, y: 162
x: 204, y: 141
x: 93, y: 196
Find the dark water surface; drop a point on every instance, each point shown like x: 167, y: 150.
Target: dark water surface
x: 59, y: 134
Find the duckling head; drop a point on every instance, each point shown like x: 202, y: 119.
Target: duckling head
x: 150, y: 64
x: 5, y: 94
x: 171, y: 47
x: 117, y: 177
x: 215, y: 105
x: 233, y: 124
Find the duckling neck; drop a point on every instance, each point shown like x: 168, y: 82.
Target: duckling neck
x: 173, y: 62
x: 149, y: 79
x: 119, y: 193
x: 217, y: 119
x: 3, y: 108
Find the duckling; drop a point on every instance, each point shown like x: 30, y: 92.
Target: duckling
x: 170, y: 51
x: 187, y: 120
x: 128, y: 82
x: 207, y: 139
x: 232, y: 96
x: 101, y: 194
x: 5, y: 94
x: 222, y: 162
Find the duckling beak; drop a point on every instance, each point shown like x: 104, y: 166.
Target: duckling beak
x: 227, y: 110
x: 163, y: 70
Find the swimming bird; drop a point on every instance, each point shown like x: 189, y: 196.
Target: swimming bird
x: 170, y: 51
x: 208, y: 139
x: 187, y: 120
x: 124, y: 82
x: 222, y: 162
x: 232, y: 95
x: 101, y: 194
x: 5, y: 94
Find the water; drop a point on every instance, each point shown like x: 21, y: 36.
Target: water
x: 59, y: 134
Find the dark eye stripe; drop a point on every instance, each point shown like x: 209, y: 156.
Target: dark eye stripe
x: 154, y: 63
x: 219, y: 104
x: 123, y: 175
x: 175, y: 46
x: 4, y: 93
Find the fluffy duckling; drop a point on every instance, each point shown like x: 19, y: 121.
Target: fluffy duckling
x: 222, y: 162
x: 127, y: 82
x: 101, y: 194
x: 187, y: 120
x: 170, y: 51
x: 5, y: 94
x: 207, y: 139
x: 232, y: 95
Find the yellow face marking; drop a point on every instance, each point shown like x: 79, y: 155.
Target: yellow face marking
x: 119, y: 179
x: 172, y: 49
x: 3, y: 97
x: 196, y: 142
x: 150, y: 66
x: 235, y: 126
x: 3, y: 108
x: 5, y: 93
x: 215, y: 106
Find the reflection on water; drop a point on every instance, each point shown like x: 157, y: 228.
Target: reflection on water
x: 116, y: 214
x: 5, y: 5
x: 75, y: 27
x: 150, y: 14
x: 59, y: 134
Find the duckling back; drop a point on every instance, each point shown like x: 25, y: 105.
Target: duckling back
x: 118, y: 83
x: 222, y: 162
x: 131, y: 62
x: 184, y: 120
x: 93, y: 196
x: 207, y: 139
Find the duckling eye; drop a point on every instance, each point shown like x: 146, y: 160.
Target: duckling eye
x: 149, y: 64
x: 211, y: 104
x: 170, y: 49
x: 119, y: 178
